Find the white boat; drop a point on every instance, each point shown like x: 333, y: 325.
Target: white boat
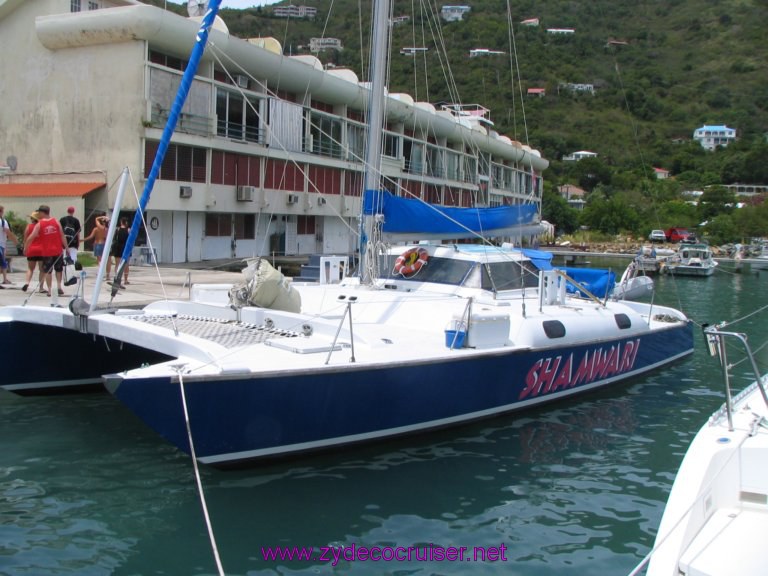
x: 634, y: 283
x: 717, y: 510
x: 760, y: 262
x: 690, y: 260
x: 425, y: 336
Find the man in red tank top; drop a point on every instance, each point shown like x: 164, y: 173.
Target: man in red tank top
x: 53, y: 243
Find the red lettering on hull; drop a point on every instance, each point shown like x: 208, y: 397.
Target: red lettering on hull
x: 549, y: 375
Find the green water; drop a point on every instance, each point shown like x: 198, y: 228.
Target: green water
x: 577, y: 488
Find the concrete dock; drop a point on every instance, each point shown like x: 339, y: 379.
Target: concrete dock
x: 147, y: 284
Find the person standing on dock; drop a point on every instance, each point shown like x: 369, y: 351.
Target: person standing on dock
x: 72, y: 229
x: 5, y: 234
x: 53, y: 245
x: 99, y: 237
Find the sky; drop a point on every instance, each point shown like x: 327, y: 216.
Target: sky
x: 238, y: 4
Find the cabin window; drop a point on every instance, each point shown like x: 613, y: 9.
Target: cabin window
x: 553, y: 328
x: 622, y: 321
x: 438, y: 270
x: 500, y: 276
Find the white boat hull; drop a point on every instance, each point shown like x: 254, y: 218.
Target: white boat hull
x: 716, y: 517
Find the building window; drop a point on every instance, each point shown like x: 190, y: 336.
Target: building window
x: 93, y: 5
x: 245, y: 226
x: 74, y: 5
x: 391, y: 146
x: 326, y: 135
x: 181, y: 163
x: 164, y: 59
x: 305, y: 224
x: 237, y: 117
x: 218, y: 224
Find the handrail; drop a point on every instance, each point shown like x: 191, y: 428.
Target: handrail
x: 715, y: 339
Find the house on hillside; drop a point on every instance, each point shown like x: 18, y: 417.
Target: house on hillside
x: 294, y: 11
x: 561, y: 31
x: 575, y: 196
x: 453, y: 13
x: 320, y: 44
x: 580, y: 155
x: 537, y: 92
x: 661, y: 174
x: 475, y: 52
x: 710, y: 137
x: 574, y: 87
x: 530, y: 22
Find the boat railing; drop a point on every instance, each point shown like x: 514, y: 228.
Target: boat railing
x: 715, y: 338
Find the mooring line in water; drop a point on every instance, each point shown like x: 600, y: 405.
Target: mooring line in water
x: 197, y: 474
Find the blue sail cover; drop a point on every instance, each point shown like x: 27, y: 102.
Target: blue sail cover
x: 409, y: 217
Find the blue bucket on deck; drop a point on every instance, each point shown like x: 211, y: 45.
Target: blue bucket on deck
x: 455, y: 338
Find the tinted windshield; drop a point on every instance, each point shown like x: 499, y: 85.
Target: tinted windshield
x: 495, y: 277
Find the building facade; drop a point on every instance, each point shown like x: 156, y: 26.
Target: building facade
x: 265, y: 159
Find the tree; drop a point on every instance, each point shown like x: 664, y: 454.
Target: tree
x: 555, y: 210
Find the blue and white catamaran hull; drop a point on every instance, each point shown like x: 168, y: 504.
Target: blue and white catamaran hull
x: 282, y: 383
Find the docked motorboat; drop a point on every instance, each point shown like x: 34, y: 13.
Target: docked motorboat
x: 691, y: 260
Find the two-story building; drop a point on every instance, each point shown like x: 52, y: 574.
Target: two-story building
x: 710, y: 137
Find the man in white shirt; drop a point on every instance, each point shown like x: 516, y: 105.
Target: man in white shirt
x: 5, y: 234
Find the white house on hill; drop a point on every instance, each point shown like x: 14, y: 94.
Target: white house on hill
x: 710, y: 137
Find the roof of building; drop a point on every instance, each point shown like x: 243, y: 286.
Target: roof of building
x: 36, y: 189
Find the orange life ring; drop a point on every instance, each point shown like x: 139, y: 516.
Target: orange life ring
x: 410, y: 262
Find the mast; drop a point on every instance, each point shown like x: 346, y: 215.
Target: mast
x: 181, y: 95
x: 379, y: 59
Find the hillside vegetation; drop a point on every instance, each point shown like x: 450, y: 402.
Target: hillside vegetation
x: 673, y: 67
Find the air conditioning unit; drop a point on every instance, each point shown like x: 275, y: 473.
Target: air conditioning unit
x: 185, y: 191
x: 321, y: 201
x: 246, y: 193
x: 292, y: 199
x: 242, y: 81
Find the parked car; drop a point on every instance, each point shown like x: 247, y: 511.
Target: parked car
x: 657, y: 236
x: 690, y: 239
x: 676, y: 234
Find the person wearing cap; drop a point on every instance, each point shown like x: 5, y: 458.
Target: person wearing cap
x: 33, y: 251
x: 72, y: 229
x: 5, y: 233
x: 53, y: 245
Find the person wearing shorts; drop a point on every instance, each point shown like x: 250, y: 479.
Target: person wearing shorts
x: 99, y: 237
x: 53, y: 244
